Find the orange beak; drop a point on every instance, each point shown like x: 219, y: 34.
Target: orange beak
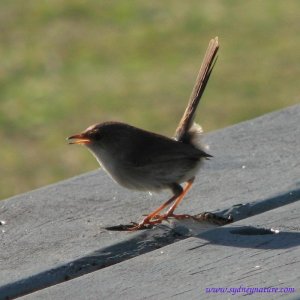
x: 79, y: 139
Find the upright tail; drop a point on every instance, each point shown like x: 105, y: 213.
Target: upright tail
x: 186, y: 122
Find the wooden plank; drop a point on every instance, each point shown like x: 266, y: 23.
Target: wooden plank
x: 49, y: 229
x: 241, y: 255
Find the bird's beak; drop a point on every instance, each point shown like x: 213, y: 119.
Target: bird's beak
x: 79, y: 139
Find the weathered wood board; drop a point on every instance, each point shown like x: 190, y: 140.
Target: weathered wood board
x: 57, y: 232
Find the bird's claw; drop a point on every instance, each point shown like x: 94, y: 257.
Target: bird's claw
x: 166, y: 216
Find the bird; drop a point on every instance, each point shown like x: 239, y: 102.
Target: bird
x: 146, y: 161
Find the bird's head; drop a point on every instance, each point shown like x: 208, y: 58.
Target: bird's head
x: 92, y: 135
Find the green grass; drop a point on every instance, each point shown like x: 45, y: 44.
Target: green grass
x: 68, y: 64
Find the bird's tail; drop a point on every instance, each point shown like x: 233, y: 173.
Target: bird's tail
x: 194, y: 137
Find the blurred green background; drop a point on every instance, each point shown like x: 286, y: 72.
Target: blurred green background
x: 68, y: 64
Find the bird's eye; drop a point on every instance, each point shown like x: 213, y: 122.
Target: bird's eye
x: 95, y: 134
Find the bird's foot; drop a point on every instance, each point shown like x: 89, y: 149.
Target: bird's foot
x: 149, y: 223
x: 166, y: 216
x: 181, y: 216
x: 145, y: 224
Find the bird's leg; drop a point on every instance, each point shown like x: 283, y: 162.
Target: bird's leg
x: 177, y: 189
x: 147, y: 220
x: 154, y: 218
x: 170, y: 212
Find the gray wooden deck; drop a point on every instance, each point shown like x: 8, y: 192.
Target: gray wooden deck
x: 54, y: 244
